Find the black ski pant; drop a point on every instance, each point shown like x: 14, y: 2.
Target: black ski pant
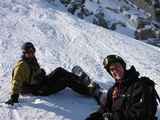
x: 59, y: 79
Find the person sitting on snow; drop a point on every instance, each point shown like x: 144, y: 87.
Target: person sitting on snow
x: 29, y: 78
x: 130, y: 98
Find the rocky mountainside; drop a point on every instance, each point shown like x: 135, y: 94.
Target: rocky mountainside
x: 138, y: 19
x: 150, y: 6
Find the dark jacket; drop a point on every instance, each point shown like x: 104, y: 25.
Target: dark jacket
x: 130, y: 104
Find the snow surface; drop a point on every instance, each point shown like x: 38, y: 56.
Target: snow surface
x: 62, y: 40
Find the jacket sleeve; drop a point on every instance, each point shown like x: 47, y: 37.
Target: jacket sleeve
x: 18, y: 77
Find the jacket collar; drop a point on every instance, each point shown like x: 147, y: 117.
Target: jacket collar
x: 131, y: 76
x: 31, y: 62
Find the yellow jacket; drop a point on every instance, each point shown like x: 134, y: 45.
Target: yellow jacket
x: 22, y: 75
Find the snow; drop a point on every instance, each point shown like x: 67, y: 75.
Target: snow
x: 63, y: 40
x: 118, y: 11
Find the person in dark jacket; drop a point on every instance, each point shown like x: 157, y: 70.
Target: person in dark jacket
x: 29, y: 78
x: 128, y: 98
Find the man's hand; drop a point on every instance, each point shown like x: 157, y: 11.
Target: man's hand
x: 13, y: 99
x: 108, y: 116
x: 95, y: 116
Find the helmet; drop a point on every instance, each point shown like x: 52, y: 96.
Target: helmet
x: 28, y: 45
x: 112, y: 59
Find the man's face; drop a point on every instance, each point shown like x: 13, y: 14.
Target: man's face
x: 29, y: 53
x: 117, y: 71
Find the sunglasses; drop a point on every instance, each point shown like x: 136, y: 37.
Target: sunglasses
x: 28, y: 52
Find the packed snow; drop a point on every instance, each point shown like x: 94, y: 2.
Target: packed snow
x: 63, y: 40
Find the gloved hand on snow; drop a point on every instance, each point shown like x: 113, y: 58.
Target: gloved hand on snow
x: 13, y: 99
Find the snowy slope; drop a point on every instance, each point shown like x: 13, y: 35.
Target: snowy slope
x: 122, y: 16
x: 62, y: 40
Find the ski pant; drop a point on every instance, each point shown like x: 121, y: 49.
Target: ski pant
x: 59, y: 79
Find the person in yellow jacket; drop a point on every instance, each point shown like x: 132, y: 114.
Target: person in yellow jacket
x: 29, y: 78
x: 24, y: 73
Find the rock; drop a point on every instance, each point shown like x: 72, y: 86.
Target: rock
x: 99, y: 19
x: 65, y: 2
x: 146, y: 33
x: 138, y: 22
x: 115, y: 25
x: 98, y: 1
x: 150, y: 6
x: 83, y: 12
x: 75, y: 5
x: 157, y: 13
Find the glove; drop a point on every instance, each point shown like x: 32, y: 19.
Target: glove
x: 13, y: 99
x: 108, y: 115
x: 96, y: 116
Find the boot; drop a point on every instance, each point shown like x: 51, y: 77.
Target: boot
x: 77, y: 70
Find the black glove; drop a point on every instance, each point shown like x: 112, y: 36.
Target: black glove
x: 96, y: 116
x: 108, y: 115
x: 13, y: 99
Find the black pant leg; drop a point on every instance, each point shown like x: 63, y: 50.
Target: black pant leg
x: 54, y: 82
x: 70, y: 80
x: 79, y: 87
x: 59, y: 79
x: 77, y: 84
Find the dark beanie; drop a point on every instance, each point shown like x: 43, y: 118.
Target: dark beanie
x: 28, y: 45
